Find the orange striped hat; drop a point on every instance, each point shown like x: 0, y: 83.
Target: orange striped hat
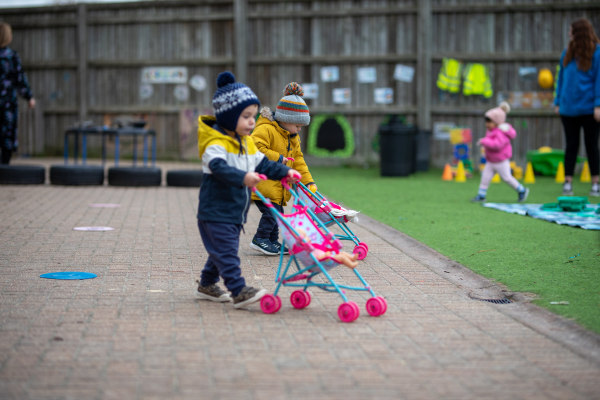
x: 291, y: 108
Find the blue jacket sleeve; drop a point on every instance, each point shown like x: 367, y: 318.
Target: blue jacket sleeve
x: 226, y: 173
x: 273, y: 170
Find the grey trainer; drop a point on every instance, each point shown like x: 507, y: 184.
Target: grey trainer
x: 212, y: 293
x: 248, y: 295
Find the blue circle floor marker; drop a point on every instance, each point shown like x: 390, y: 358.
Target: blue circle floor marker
x: 68, y: 275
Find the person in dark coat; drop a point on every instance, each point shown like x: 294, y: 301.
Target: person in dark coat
x: 12, y: 82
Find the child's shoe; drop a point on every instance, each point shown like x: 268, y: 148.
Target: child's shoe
x: 248, y: 295
x: 567, y: 189
x: 213, y: 293
x: 264, y: 246
x: 478, y: 199
x: 595, y: 190
x: 277, y: 245
x: 523, y: 195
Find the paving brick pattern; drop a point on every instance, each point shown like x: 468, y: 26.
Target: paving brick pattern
x: 137, y: 331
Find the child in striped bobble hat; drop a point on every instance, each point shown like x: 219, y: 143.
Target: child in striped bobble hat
x: 277, y: 136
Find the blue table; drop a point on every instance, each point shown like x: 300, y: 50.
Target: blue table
x: 105, y: 132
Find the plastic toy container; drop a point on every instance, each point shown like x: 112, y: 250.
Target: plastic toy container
x: 572, y: 203
x: 546, y: 162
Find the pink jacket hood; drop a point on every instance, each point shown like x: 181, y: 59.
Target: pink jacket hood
x: 497, y: 143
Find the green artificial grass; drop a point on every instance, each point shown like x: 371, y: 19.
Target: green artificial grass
x: 555, y: 263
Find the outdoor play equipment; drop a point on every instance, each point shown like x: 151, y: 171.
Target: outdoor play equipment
x: 545, y: 160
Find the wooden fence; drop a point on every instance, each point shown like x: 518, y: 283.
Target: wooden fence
x: 158, y: 60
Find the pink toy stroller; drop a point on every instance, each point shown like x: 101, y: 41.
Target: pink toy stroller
x: 330, y: 213
x: 312, y: 250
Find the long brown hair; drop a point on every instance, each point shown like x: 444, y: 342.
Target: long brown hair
x: 5, y: 34
x: 582, y: 45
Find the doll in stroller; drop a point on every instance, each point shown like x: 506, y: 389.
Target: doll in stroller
x: 330, y: 214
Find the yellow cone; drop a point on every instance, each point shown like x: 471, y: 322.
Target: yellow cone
x: 560, y: 173
x: 496, y: 179
x: 447, y: 174
x: 460, y: 173
x: 585, y: 173
x: 529, y: 176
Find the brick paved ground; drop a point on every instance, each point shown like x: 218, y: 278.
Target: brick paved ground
x: 137, y: 332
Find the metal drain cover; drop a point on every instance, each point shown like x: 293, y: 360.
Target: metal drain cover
x: 495, y: 301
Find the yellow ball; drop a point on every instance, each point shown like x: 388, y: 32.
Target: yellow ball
x: 545, y: 78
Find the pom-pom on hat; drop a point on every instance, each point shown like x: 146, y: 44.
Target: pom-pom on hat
x: 498, y: 114
x: 230, y: 99
x: 291, y: 108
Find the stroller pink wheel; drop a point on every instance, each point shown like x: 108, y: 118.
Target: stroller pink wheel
x: 308, y: 298
x: 270, y: 304
x: 376, y: 306
x: 364, y: 244
x: 361, y: 251
x: 356, y: 308
x: 348, y: 312
x: 300, y: 299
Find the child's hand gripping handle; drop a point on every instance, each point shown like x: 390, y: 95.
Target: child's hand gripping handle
x: 261, y: 177
x: 293, y: 176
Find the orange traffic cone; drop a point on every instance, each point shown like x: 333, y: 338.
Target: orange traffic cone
x: 460, y: 173
x: 447, y: 174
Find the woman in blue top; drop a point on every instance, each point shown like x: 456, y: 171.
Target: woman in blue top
x: 577, y: 100
x: 12, y: 81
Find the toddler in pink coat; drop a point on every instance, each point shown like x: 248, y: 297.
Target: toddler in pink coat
x: 498, y: 151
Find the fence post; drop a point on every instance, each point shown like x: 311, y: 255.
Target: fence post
x: 82, y: 61
x: 240, y: 23
x: 424, y: 65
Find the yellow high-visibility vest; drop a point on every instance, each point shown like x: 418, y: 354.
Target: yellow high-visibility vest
x: 477, y: 81
x: 449, y: 76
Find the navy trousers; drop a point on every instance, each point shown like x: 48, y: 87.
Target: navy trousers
x: 222, y: 241
x: 267, y: 226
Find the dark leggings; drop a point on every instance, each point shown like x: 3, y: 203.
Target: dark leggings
x: 591, y: 127
x: 267, y: 226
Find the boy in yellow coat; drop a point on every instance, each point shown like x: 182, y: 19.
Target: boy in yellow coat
x: 277, y: 136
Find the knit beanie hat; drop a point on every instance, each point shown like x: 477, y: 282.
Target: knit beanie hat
x: 498, y: 114
x: 291, y: 108
x: 230, y: 99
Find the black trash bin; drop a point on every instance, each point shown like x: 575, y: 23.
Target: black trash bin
x: 397, y: 142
